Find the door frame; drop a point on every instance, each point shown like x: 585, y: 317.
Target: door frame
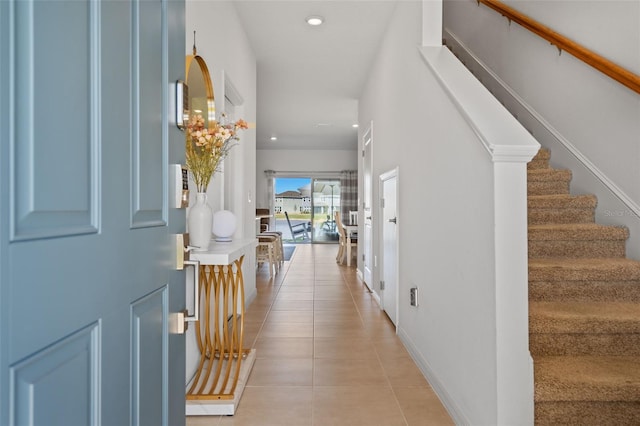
x: 367, y: 195
x: 390, y: 174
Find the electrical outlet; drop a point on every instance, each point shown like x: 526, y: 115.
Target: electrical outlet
x: 413, y: 296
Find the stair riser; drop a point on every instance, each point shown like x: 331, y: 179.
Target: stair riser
x: 584, y: 291
x: 547, y: 187
x: 576, y: 249
x: 556, y: 344
x: 549, y: 216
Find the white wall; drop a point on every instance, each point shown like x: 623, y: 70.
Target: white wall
x: 290, y: 160
x: 590, y: 122
x: 446, y: 222
x: 215, y: 24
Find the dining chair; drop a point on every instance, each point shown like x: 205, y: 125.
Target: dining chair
x: 343, y: 241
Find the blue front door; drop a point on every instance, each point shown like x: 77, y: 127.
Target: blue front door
x: 87, y: 283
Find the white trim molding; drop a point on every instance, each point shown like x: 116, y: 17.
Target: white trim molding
x: 508, y: 141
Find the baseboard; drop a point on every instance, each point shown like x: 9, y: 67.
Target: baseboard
x: 449, y: 403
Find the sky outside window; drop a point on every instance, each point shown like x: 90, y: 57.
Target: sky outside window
x: 291, y: 184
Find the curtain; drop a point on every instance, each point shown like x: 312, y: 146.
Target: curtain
x: 271, y: 196
x: 348, y: 193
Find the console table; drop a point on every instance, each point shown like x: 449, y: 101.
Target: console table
x: 224, y: 364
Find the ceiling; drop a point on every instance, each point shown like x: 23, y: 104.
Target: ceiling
x: 310, y: 78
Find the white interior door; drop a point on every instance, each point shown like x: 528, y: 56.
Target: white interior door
x: 389, y: 191
x: 367, y: 194
x: 86, y: 278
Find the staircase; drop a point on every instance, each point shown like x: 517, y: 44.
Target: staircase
x: 584, y: 308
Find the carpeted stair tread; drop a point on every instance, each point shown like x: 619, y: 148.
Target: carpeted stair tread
x: 577, y: 232
x: 585, y: 291
x: 583, y: 269
x: 584, y: 317
x: 587, y: 378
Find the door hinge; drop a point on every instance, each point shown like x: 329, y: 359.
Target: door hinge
x: 363, y: 258
x: 381, y: 285
x: 363, y: 153
x: 382, y: 203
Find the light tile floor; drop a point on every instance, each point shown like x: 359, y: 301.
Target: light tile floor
x: 326, y: 354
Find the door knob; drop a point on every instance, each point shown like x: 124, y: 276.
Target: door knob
x: 392, y: 220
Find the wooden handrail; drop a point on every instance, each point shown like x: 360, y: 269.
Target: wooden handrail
x: 616, y: 72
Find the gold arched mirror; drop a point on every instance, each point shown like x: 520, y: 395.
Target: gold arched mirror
x: 201, y: 100
x: 202, y: 154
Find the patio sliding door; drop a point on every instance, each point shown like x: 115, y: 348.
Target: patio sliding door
x: 310, y: 201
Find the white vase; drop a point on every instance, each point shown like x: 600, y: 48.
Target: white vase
x: 200, y: 222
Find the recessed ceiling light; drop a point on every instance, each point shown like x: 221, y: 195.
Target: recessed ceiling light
x: 273, y: 138
x: 355, y: 126
x: 315, y: 20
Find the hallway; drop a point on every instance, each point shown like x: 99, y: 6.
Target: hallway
x: 326, y: 354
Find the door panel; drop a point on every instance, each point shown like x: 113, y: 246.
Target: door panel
x: 147, y: 106
x: 86, y: 286
x: 73, y: 364
x: 51, y: 198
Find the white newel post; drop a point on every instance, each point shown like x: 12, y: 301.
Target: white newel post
x: 514, y: 364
